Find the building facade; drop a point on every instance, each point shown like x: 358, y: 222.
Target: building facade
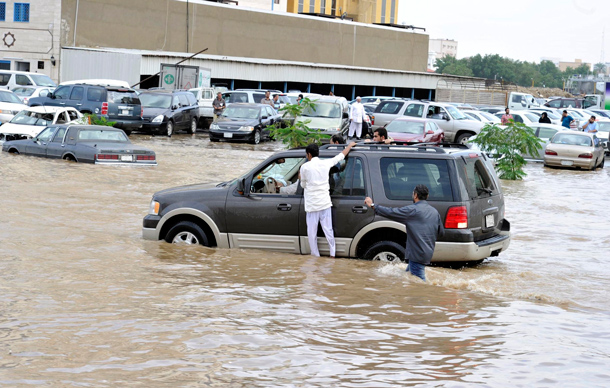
x: 563, y: 66
x: 363, y: 11
x: 438, y: 48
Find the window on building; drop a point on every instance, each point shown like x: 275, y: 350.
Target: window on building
x: 5, y: 65
x: 333, y: 7
x: 301, y: 6
x: 2, y: 12
x: 323, y: 6
x: 393, y: 12
x: 312, y: 6
x: 22, y: 12
x: 41, y: 65
x: 383, y: 7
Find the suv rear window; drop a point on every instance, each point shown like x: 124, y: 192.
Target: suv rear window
x: 401, y: 175
x: 236, y: 97
x: 123, y: 97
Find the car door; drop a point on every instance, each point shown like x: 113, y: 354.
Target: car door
x: 441, y: 117
x: 268, y: 118
x: 56, y: 147
x: 38, y: 145
x: 176, y: 112
x: 60, y: 96
x: 185, y: 109
x: 262, y: 219
x: 76, y: 97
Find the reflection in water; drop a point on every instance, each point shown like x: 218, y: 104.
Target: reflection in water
x: 87, y: 302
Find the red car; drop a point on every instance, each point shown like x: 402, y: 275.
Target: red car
x: 412, y: 129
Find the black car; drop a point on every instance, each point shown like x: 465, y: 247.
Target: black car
x: 115, y: 104
x: 169, y: 111
x: 245, y: 122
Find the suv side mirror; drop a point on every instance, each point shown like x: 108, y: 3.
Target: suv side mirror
x: 51, y: 95
x: 264, y: 118
x: 429, y: 132
x: 345, y: 115
x: 445, y: 116
x: 174, y: 107
x: 241, y: 183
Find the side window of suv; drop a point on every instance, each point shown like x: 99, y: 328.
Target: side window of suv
x: 284, y: 171
x: 414, y: 110
x: 184, y: 102
x: 77, y: 93
x: 347, y: 178
x: 95, y: 94
x: 4, y: 78
x: 555, y: 103
x: 257, y: 97
x: 478, y: 181
x: 191, y: 99
x: 401, y: 175
x: 21, y: 79
x: 62, y: 92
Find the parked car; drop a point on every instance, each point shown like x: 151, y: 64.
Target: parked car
x: 85, y: 144
x: 113, y: 103
x: 372, y: 99
x: 524, y: 117
x: 415, y: 130
x: 603, y: 130
x: 27, y: 92
x: 205, y: 97
x: 245, y: 122
x: 574, y: 150
x: 492, y: 109
x: 31, y: 121
x: 553, y: 115
x: 292, y: 96
x: 481, y: 116
x: 10, y: 105
x: 247, y: 213
x: 330, y: 115
x: 545, y: 132
x: 563, y: 103
x: 251, y: 96
x: 600, y: 112
x: 169, y: 111
x: 10, y: 79
x: 457, y: 127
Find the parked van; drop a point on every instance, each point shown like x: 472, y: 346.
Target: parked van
x: 10, y: 79
x: 205, y: 97
x: 519, y: 101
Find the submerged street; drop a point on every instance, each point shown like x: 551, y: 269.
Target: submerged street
x: 87, y: 302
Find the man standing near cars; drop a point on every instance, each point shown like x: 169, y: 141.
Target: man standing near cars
x: 267, y: 100
x: 506, y: 117
x: 356, y: 114
x: 314, y: 180
x: 219, y: 105
x: 381, y: 136
x: 590, y: 126
x: 423, y: 224
x: 276, y: 101
x: 566, y: 119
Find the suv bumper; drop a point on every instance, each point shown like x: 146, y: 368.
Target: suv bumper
x: 472, y: 251
x: 127, y: 124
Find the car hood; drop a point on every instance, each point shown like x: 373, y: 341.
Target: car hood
x: 400, y: 136
x: 323, y: 123
x: 17, y: 143
x: 227, y: 123
x: 154, y: 112
x: 186, y: 188
x: 12, y: 106
x: 19, y: 129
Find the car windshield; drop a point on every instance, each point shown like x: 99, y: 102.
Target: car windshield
x: 323, y: 109
x: 240, y: 112
x: 456, y: 114
x: 102, y: 135
x: 123, y: 97
x: 532, y: 117
x: 572, y: 139
x: 9, y: 97
x: 42, y: 80
x: 603, y: 126
x: 400, y: 126
x: 24, y: 92
x: 154, y: 100
x: 27, y: 117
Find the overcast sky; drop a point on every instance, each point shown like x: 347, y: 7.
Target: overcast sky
x: 525, y: 30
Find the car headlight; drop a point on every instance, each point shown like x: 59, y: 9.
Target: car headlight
x: 158, y: 119
x: 246, y: 129
x: 214, y: 126
x: 154, y: 208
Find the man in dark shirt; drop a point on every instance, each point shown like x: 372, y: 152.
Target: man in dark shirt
x: 219, y: 105
x: 423, y: 224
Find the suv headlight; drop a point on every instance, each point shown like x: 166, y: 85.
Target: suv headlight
x: 214, y: 126
x: 154, y: 208
x: 246, y: 129
x: 158, y: 119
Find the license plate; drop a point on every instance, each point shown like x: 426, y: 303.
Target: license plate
x: 228, y: 135
x: 489, y: 221
x: 124, y: 112
x: 567, y: 162
x: 126, y: 158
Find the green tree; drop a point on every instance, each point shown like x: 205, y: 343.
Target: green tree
x: 509, y: 143
x: 599, y: 68
x: 295, y: 133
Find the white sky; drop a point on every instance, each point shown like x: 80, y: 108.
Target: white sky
x: 518, y: 29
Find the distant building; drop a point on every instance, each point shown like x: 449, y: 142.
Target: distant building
x: 563, y: 66
x: 438, y: 48
x: 267, y: 5
x: 555, y: 60
x: 363, y: 11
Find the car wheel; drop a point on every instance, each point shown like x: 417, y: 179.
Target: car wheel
x: 256, y: 138
x: 127, y: 132
x: 463, y: 138
x: 602, y: 163
x: 13, y: 151
x: 193, y: 126
x: 170, y: 129
x: 70, y: 158
x: 187, y: 233
x: 387, y: 251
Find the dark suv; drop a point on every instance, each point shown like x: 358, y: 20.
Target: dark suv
x: 116, y: 104
x: 167, y: 111
x: 247, y: 212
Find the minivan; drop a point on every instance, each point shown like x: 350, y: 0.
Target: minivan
x: 10, y: 79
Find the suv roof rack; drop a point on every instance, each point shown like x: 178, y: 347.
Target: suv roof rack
x: 394, y: 146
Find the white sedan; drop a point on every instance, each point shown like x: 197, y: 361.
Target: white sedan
x: 31, y: 121
x: 10, y: 105
x: 27, y: 92
x: 481, y: 116
x: 524, y: 117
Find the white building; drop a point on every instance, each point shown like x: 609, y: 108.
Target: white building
x: 267, y: 5
x: 438, y: 48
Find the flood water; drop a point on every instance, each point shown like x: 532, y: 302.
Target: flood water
x: 86, y: 302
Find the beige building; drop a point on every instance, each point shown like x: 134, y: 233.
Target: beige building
x: 363, y: 11
x: 563, y: 66
x: 438, y: 48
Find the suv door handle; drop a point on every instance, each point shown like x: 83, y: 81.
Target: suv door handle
x: 360, y: 209
x: 79, y: 104
x: 284, y: 207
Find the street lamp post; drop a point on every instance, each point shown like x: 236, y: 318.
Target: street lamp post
x: 532, y: 82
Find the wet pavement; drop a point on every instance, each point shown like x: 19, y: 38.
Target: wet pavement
x: 87, y: 302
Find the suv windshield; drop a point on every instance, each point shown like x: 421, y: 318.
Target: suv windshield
x: 323, y: 109
x: 455, y: 113
x: 240, y: 112
x: 154, y: 100
x: 26, y: 117
x: 9, y: 97
x: 42, y: 80
x: 123, y: 97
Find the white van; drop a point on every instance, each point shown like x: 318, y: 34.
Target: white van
x: 205, y: 97
x: 11, y: 79
x: 520, y: 101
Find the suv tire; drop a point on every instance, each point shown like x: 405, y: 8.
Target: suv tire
x: 193, y: 127
x: 186, y: 232
x: 387, y: 251
x: 170, y: 129
x: 462, y: 138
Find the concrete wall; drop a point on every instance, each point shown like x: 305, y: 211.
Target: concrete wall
x: 228, y: 30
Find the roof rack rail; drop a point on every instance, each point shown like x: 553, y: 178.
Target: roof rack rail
x: 394, y: 146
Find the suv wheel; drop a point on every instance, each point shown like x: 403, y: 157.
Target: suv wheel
x: 187, y: 233
x: 387, y: 251
x: 256, y: 138
x: 170, y: 129
x: 463, y: 138
x: 193, y: 126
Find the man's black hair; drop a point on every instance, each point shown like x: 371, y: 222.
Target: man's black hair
x: 422, y: 192
x: 300, y: 96
x: 382, y: 132
x: 507, y: 108
x: 565, y: 111
x: 313, y: 150
x: 337, y: 139
x: 593, y: 117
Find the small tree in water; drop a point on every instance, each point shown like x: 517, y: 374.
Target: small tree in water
x: 295, y: 133
x: 509, y: 143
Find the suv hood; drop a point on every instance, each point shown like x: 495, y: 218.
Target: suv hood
x: 186, y: 189
x: 322, y: 123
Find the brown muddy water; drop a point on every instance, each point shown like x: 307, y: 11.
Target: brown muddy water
x: 86, y: 302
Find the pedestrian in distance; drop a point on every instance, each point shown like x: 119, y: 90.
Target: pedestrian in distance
x: 506, y: 117
x: 590, y: 126
x: 267, y: 100
x: 276, y: 101
x: 299, y: 99
x: 544, y: 118
x: 356, y: 117
x: 331, y: 93
x: 566, y: 119
x: 380, y: 135
x: 314, y: 180
x: 424, y: 227
x: 219, y: 105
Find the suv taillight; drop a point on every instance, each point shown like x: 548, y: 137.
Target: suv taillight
x: 104, y: 108
x: 457, y: 218
x: 372, y: 120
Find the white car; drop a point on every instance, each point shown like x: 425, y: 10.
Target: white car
x: 10, y: 105
x: 554, y: 117
x: 205, y: 97
x: 524, y: 117
x: 482, y: 116
x: 31, y: 121
x: 27, y: 92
